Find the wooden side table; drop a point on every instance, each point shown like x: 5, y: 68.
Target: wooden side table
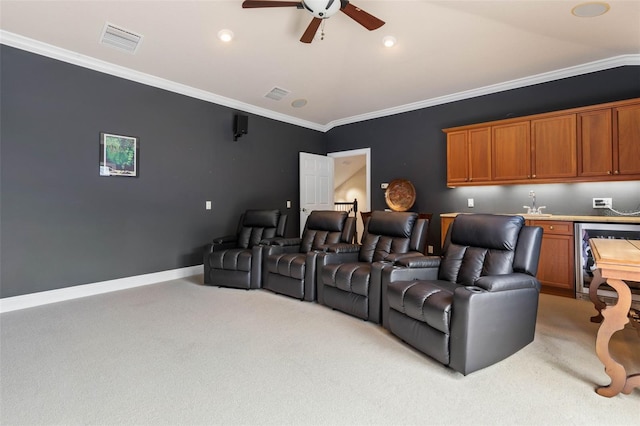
x: 616, y: 260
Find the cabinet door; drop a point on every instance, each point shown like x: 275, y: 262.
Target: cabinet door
x: 556, y: 265
x: 457, y: 158
x: 595, y: 143
x: 511, y: 151
x: 553, y: 147
x: 480, y: 155
x: 627, y: 132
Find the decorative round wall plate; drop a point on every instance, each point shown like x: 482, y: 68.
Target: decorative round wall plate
x: 400, y: 195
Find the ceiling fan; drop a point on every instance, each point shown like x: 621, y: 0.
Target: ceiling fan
x: 321, y: 9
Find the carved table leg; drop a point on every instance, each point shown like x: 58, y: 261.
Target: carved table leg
x: 593, y: 295
x: 615, y: 318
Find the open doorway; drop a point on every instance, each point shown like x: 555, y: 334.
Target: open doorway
x: 352, y: 179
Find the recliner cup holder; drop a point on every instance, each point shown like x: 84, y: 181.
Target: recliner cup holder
x: 474, y: 289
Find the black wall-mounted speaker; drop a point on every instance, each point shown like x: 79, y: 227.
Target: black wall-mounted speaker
x: 240, y: 126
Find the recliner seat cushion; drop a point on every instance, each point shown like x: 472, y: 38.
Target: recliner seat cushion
x: 349, y: 277
x: 425, y: 301
x: 287, y: 264
x: 231, y: 260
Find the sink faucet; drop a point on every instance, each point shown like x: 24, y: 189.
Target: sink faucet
x: 533, y: 209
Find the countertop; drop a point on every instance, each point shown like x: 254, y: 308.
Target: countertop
x: 568, y: 218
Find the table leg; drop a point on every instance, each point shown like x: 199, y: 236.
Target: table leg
x: 615, y: 318
x: 593, y: 295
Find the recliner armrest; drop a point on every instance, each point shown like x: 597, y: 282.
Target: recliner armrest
x: 419, y: 261
x: 513, y: 281
x: 271, y: 241
x: 283, y: 241
x: 396, y: 258
x: 225, y: 239
x: 223, y: 243
x: 343, y: 248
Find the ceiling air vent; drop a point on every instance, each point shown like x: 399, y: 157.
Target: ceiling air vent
x: 277, y: 94
x: 120, y: 38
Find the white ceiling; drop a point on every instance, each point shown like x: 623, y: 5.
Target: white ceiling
x: 446, y: 50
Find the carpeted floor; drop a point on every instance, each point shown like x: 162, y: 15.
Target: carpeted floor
x: 182, y: 353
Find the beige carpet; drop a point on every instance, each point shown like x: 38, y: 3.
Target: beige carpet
x: 182, y: 353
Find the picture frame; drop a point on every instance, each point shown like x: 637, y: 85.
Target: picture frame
x: 119, y: 155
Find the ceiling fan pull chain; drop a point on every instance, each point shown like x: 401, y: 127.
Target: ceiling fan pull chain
x: 322, y: 30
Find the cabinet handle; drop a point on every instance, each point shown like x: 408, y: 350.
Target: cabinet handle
x: 528, y: 176
x: 608, y: 172
x: 551, y: 227
x: 534, y: 176
x: 616, y: 172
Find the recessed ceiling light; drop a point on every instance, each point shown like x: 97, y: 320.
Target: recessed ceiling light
x: 299, y: 103
x: 590, y: 10
x: 389, y: 41
x: 225, y: 35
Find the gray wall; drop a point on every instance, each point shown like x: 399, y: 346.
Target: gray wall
x: 63, y: 225
x: 412, y: 146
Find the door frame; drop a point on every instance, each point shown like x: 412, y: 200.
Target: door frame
x: 367, y: 153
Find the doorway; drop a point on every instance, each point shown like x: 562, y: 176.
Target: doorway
x: 352, y: 179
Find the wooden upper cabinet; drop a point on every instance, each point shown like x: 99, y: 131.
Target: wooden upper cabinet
x: 595, y: 143
x: 457, y: 158
x: 553, y: 147
x: 584, y: 144
x: 626, y: 150
x: 480, y: 155
x: 469, y: 156
x: 511, y: 151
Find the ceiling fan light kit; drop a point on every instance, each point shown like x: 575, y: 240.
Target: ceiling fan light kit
x: 321, y: 9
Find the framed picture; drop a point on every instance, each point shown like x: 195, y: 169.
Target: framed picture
x: 119, y: 155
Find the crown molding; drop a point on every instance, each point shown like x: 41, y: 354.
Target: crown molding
x: 68, y: 56
x: 604, y: 64
x: 44, y: 49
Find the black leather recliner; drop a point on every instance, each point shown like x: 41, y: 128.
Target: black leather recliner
x: 236, y: 260
x: 475, y: 305
x: 289, y: 264
x: 349, y: 275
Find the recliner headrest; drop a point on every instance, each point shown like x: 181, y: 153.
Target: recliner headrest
x: 327, y: 220
x: 392, y: 224
x: 261, y: 218
x: 487, y: 230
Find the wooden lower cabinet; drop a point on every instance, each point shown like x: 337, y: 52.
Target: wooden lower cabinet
x: 556, y: 271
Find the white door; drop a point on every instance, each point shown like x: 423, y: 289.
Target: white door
x: 316, y: 185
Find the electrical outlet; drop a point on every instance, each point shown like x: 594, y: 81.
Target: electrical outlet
x: 602, y: 203
x: 288, y: 204
x: 429, y: 249
x: 207, y: 205
x: 470, y: 203
x: 384, y: 185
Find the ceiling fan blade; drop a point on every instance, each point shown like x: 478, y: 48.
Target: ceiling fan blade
x: 248, y: 4
x: 311, y: 30
x: 368, y: 21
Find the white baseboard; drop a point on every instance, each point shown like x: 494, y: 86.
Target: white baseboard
x: 8, y: 304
